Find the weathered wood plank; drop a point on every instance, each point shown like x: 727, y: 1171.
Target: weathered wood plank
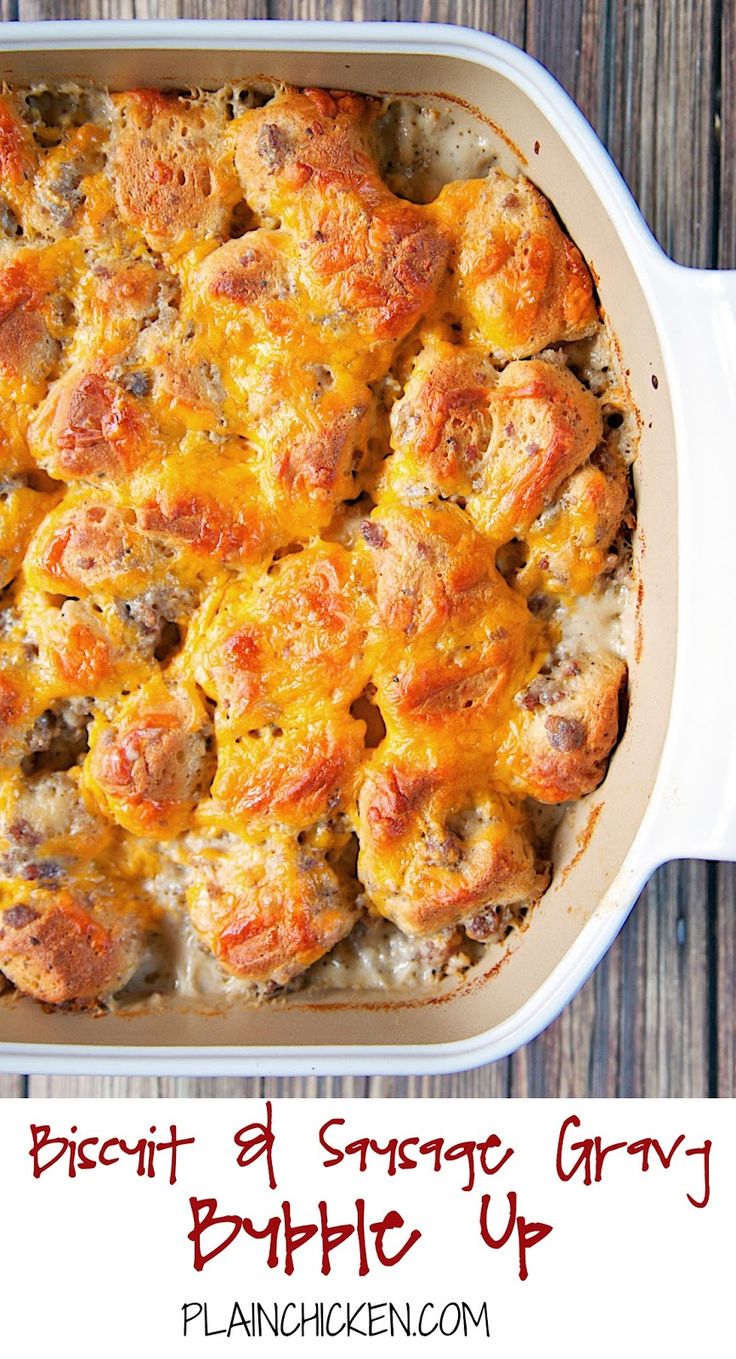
x: 726, y: 131
x: 661, y: 122
x: 723, y: 938
x: 74, y: 9
x: 201, y: 9
x: 505, y: 18
x: 569, y: 38
x: 675, y: 1055
x: 723, y: 942
x: 93, y: 1087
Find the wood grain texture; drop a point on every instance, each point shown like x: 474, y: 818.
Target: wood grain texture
x: 201, y: 9
x: 723, y: 926
x: 29, y: 10
x: 723, y: 943
x: 658, y: 82
x: 12, y: 1087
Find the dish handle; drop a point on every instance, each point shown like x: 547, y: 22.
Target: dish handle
x: 698, y: 774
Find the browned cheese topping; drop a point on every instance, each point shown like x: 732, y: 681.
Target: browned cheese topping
x: 300, y: 481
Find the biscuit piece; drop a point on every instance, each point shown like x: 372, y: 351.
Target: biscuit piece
x: 567, y: 547
x: 431, y: 567
x: 566, y: 726
x: 458, y: 640
x: 171, y: 168
x: 516, y: 280
x: 269, y: 911
x: 22, y: 507
x: 545, y: 425
x: 152, y: 762
x: 441, y: 427
x: 372, y: 261
x: 72, y: 945
x: 295, y: 775
x: 301, y: 625
x: 503, y: 444
x: 35, y: 288
x: 47, y: 823
x: 89, y: 548
x: 90, y: 427
x: 435, y: 854
x: 202, y: 508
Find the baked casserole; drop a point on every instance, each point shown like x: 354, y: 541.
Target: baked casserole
x: 314, y: 506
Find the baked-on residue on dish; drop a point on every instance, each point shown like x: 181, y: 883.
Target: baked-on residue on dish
x: 313, y: 498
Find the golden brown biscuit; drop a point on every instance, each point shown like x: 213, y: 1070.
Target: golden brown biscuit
x: 22, y: 507
x: 35, y: 288
x: 441, y: 427
x: 300, y: 625
x: 567, y: 547
x: 502, y: 443
x: 545, y: 425
x: 202, y: 508
x: 300, y: 134
x: 71, y: 945
x: 435, y: 853
x: 567, y: 723
x: 87, y: 546
x: 18, y: 159
x: 373, y: 262
x: 430, y: 564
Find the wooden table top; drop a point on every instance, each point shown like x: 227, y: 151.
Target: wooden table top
x: 658, y: 83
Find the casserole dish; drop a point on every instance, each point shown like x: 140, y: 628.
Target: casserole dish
x: 670, y: 789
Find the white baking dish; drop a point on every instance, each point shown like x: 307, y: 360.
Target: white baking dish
x: 671, y: 788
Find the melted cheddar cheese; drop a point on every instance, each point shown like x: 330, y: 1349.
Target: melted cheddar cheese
x: 298, y: 479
